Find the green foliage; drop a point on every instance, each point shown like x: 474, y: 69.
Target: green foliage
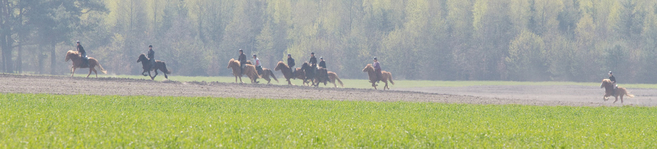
x: 68, y: 121
x: 562, y: 40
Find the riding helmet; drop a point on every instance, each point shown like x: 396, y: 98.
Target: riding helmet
x: 374, y: 58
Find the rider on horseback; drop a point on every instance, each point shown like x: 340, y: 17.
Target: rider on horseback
x: 613, y: 81
x: 322, y: 64
x: 290, y: 62
x: 313, y: 63
x: 151, y: 57
x: 242, y: 60
x: 83, y: 55
x: 258, y: 66
x: 377, y: 69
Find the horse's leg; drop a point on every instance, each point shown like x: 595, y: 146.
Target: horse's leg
x: 90, y: 69
x: 155, y: 74
x: 149, y: 74
x: 621, y: 96
x: 72, y: 71
x: 96, y: 72
x: 616, y: 99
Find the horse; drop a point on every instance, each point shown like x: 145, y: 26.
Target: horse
x: 76, y: 58
x: 158, y: 65
x: 309, y: 73
x: 320, y: 77
x: 333, y: 77
x: 609, y: 89
x: 265, y: 73
x: 287, y: 72
x: 249, y: 70
x: 386, y: 76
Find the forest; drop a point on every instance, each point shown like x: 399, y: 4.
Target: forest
x: 517, y: 40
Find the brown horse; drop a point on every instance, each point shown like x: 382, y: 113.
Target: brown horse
x: 76, y: 58
x: 320, y: 77
x: 249, y: 70
x: 287, y: 72
x: 333, y: 77
x: 609, y: 89
x: 265, y: 73
x: 158, y: 65
x: 386, y: 76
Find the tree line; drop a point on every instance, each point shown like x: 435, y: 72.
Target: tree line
x: 520, y: 40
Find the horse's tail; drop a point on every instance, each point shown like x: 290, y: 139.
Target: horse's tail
x: 390, y: 78
x: 272, y: 74
x: 627, y: 93
x: 339, y: 81
x: 101, y: 67
x: 164, y: 68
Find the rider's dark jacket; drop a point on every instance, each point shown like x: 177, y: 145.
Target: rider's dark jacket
x: 82, y: 52
x: 242, y: 59
x: 290, y: 62
x: 151, y: 54
x: 322, y: 64
x: 612, y: 79
x: 313, y: 61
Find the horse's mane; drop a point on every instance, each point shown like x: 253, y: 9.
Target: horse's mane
x: 281, y: 65
x: 368, y: 67
x: 233, y: 62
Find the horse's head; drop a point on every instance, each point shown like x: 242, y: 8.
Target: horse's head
x: 280, y: 66
x: 605, y: 82
x: 142, y: 58
x: 305, y: 66
x: 70, y: 54
x: 233, y: 63
x: 368, y: 68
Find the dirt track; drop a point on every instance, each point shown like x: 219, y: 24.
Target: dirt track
x: 121, y: 86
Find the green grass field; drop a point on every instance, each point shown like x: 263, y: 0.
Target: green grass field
x: 83, y: 121
x: 355, y: 83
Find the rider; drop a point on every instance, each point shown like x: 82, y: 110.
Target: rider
x: 322, y: 64
x: 290, y: 62
x: 313, y: 62
x: 257, y: 64
x: 242, y: 60
x: 151, y: 57
x: 377, y: 69
x: 83, y: 54
x: 613, y: 83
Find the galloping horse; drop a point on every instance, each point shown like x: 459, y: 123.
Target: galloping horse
x: 75, y: 57
x: 308, y: 72
x: 334, y: 77
x: 287, y: 72
x: 386, y: 76
x: 609, y: 90
x: 320, y: 77
x: 249, y: 70
x: 158, y: 65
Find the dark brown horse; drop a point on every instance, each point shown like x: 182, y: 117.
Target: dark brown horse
x: 159, y: 65
x: 287, y: 72
x: 75, y: 57
x: 320, y: 77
